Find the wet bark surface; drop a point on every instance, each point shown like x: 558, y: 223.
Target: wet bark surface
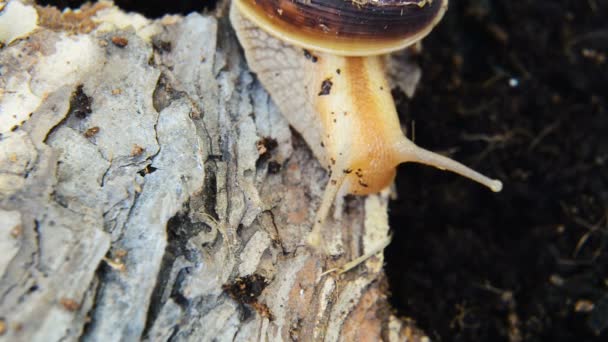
x: 150, y: 189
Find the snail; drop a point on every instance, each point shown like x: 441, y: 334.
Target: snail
x: 322, y: 63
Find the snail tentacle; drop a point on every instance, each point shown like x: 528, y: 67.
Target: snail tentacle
x: 409, y: 152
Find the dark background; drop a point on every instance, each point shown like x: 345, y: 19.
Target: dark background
x: 518, y: 90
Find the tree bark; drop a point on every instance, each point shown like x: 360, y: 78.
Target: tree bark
x: 150, y: 189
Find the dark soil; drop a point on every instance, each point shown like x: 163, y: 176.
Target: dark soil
x: 516, y: 89
x: 149, y: 8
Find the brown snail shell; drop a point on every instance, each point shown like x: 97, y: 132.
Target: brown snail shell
x: 346, y: 27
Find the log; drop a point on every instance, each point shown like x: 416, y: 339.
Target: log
x: 151, y: 190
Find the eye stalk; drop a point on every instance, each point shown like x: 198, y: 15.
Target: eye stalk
x: 346, y: 27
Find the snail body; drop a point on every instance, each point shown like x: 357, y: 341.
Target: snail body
x: 321, y: 61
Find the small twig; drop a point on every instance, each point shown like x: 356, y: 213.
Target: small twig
x: 357, y: 261
x: 548, y: 130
